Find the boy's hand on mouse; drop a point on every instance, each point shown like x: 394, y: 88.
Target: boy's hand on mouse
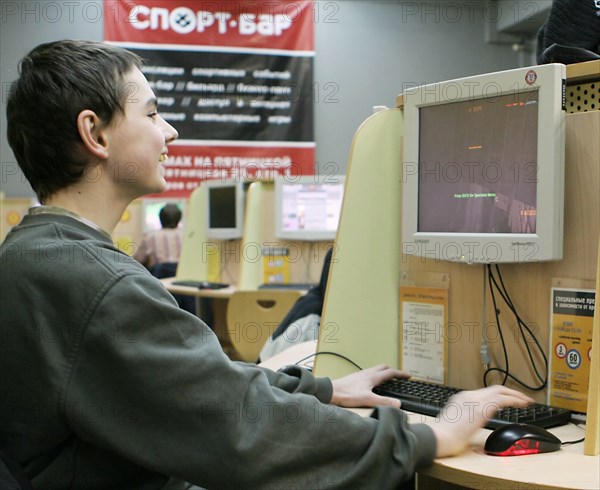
x: 354, y: 390
x: 468, y: 411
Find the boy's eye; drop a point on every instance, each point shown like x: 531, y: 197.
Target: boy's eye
x: 153, y: 114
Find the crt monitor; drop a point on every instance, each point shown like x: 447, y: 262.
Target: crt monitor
x: 224, y: 207
x: 308, y: 207
x: 483, y: 169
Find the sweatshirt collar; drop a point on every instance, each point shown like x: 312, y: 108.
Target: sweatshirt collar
x: 65, y: 212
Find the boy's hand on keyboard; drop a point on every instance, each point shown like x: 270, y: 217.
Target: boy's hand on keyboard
x: 468, y: 411
x: 355, y: 390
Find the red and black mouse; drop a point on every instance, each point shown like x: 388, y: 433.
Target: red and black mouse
x: 520, y: 439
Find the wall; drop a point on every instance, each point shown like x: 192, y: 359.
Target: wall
x: 366, y: 52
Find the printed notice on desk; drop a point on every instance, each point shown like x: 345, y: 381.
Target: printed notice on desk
x: 423, y: 313
x: 571, y: 347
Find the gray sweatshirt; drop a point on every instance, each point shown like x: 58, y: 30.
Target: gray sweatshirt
x: 107, y: 384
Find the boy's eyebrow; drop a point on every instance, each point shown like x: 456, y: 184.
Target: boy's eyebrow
x: 152, y: 102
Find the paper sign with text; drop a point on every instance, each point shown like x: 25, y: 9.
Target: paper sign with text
x: 423, y: 316
x: 572, y: 319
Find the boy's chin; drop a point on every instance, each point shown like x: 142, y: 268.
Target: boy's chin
x: 160, y: 187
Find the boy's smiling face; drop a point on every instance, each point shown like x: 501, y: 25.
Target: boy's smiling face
x: 137, y: 141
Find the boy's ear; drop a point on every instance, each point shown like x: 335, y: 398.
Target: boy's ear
x: 91, y: 131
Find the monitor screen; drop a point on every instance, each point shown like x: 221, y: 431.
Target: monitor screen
x: 224, y: 209
x: 308, y: 207
x: 498, y: 197
x: 483, y: 174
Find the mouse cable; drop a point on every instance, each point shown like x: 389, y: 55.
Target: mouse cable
x: 332, y: 354
x: 569, y: 443
x: 502, y: 291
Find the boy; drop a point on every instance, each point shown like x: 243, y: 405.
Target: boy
x: 106, y: 383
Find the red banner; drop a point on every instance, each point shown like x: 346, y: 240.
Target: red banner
x: 190, y: 164
x: 233, y: 77
x: 264, y: 24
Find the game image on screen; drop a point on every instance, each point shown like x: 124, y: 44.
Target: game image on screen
x: 478, y: 165
x: 311, y: 207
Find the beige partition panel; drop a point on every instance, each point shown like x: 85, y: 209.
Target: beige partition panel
x: 360, y: 319
x: 258, y: 225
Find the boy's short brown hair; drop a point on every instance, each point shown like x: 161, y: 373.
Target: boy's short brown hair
x: 56, y: 82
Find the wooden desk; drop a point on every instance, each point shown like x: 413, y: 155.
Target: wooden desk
x: 211, y: 307
x: 567, y: 468
x: 223, y: 293
x: 218, y: 297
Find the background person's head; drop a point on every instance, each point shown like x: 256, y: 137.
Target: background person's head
x: 169, y: 216
x: 56, y: 82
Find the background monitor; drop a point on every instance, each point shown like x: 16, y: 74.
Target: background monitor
x: 483, y: 170
x: 151, y: 208
x: 224, y: 209
x: 308, y: 207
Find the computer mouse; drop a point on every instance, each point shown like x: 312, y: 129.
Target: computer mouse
x: 520, y: 439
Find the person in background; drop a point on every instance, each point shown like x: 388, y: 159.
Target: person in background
x: 162, y: 246
x: 106, y: 382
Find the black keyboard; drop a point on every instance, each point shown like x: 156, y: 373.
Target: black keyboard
x: 286, y: 285
x: 428, y: 399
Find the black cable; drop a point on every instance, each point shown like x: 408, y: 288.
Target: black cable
x: 568, y: 443
x: 329, y: 353
x: 496, y: 313
x: 523, y: 325
x: 506, y: 297
x: 501, y: 289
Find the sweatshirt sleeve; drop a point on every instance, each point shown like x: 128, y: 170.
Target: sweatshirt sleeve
x: 166, y: 397
x: 301, y: 381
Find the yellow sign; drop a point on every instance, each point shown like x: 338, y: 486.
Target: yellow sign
x: 571, y: 347
x: 276, y: 266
